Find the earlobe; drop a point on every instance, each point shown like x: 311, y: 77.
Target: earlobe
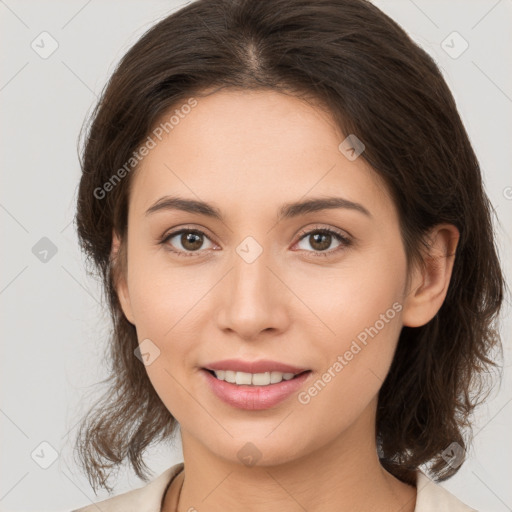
x: 429, y: 285
x: 120, y: 277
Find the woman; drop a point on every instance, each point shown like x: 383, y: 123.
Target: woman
x: 298, y: 254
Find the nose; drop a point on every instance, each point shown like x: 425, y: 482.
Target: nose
x: 253, y: 298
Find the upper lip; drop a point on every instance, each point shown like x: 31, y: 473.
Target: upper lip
x: 261, y: 366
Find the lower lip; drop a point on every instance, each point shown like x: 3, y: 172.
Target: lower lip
x: 254, y: 397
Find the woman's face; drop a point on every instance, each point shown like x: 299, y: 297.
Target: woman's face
x: 260, y: 281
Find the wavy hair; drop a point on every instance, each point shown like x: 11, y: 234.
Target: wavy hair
x: 352, y: 59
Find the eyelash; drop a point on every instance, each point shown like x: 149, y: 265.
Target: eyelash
x: 344, y: 241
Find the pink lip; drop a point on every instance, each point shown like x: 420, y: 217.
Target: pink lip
x: 254, y: 397
x: 262, y: 366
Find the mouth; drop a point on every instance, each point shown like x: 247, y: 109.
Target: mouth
x: 256, y: 391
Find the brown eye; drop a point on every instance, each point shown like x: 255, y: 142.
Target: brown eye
x: 186, y: 241
x: 191, y: 241
x: 320, y: 240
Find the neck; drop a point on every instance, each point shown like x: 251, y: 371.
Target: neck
x: 343, y: 475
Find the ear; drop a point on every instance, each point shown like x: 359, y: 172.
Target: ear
x: 429, y: 285
x: 120, y: 284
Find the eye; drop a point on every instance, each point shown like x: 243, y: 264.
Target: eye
x: 321, y: 239
x: 185, y: 242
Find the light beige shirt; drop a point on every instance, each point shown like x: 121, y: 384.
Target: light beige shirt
x: 431, y: 497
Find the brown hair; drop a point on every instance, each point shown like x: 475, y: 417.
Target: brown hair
x: 378, y: 84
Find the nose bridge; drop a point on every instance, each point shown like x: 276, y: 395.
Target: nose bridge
x: 252, y: 284
x: 253, y: 298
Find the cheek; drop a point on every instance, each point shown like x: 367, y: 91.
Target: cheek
x: 357, y: 294
x: 355, y: 364
x: 356, y: 327
x: 162, y: 293
x: 164, y: 303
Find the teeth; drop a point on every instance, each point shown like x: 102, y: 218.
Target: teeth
x: 254, y: 379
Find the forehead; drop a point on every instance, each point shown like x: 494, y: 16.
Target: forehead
x: 244, y: 147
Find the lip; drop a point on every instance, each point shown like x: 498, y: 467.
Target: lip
x: 254, y: 397
x: 261, y: 366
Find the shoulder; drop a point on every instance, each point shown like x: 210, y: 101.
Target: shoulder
x: 432, y: 497
x: 147, y: 498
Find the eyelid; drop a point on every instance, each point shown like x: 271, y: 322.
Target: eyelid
x: 187, y: 227
x: 322, y: 227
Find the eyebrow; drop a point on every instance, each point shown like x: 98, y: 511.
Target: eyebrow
x: 287, y: 211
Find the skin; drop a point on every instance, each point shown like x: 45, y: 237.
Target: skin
x: 248, y: 153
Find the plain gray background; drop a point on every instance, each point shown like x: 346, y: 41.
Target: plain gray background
x: 53, y: 322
